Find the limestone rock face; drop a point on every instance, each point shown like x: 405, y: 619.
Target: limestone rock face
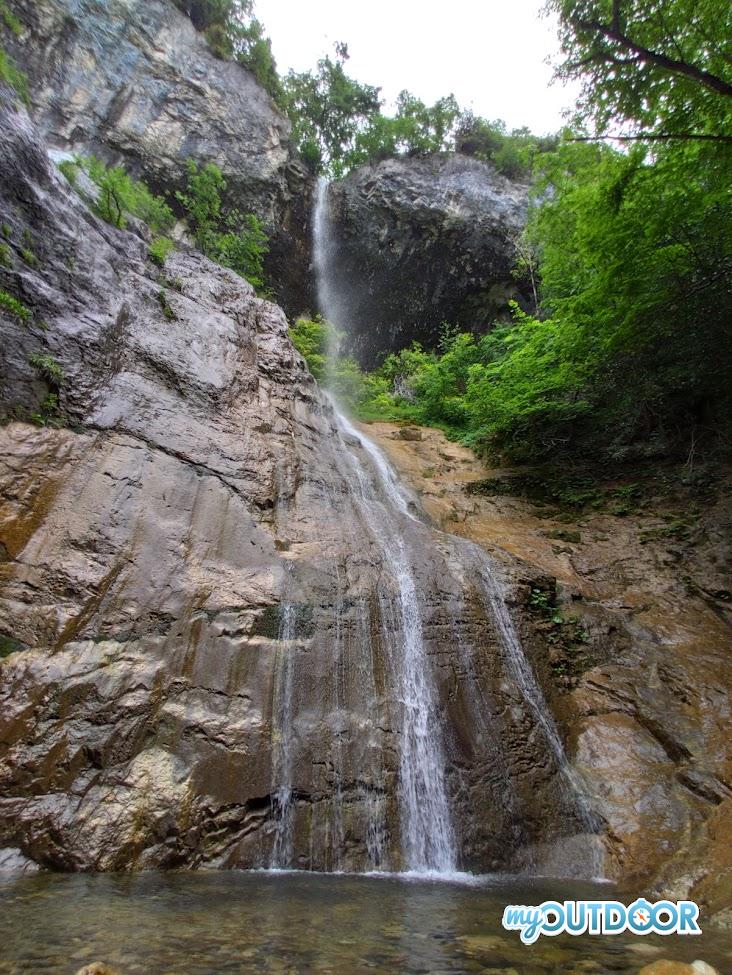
x: 196, y: 603
x: 201, y: 632
x: 644, y: 693
x: 420, y: 242
x: 133, y: 82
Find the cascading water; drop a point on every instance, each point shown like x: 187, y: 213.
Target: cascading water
x: 390, y: 626
x: 282, y: 745
x: 428, y: 839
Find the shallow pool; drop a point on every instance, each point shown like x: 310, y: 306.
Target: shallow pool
x: 191, y: 924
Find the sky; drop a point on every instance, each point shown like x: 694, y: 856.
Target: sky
x: 491, y: 54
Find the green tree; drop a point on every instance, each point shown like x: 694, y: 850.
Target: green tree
x: 328, y: 110
x: 664, y: 66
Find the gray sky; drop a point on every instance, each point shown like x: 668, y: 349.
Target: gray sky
x: 491, y: 54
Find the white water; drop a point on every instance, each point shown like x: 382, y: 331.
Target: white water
x: 427, y: 834
x: 428, y: 841
x: 282, y: 756
x: 428, y: 838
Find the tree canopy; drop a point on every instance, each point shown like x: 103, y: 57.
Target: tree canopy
x: 661, y: 67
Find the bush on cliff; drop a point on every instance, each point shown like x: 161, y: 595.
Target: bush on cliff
x: 121, y: 196
x: 231, y: 238
x: 10, y: 75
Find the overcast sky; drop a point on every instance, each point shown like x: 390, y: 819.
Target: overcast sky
x: 491, y: 54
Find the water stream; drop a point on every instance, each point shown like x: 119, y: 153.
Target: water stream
x: 428, y: 838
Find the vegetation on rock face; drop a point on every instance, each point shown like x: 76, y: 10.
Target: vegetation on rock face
x: 15, y: 308
x: 317, y: 341
x: 120, y: 196
x: 159, y: 250
x: 47, y: 367
x: 233, y: 32
x: 231, y: 238
x: 12, y: 76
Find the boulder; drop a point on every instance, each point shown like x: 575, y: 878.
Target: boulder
x: 421, y: 241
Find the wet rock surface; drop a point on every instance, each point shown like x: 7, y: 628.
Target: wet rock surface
x: 641, y: 681
x: 133, y: 82
x: 189, y: 527
x: 423, y: 241
x: 192, y: 525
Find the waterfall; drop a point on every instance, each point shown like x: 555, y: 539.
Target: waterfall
x: 428, y: 839
x: 282, y: 763
x: 395, y: 630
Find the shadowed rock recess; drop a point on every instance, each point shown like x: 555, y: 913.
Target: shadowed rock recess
x: 133, y: 82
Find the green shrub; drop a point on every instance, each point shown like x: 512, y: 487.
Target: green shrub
x: 48, y: 367
x: 15, y: 308
x: 49, y: 412
x: 232, y: 239
x: 159, y: 250
x: 12, y: 76
x: 121, y: 195
x: 70, y: 170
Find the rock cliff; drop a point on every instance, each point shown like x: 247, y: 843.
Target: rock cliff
x: 195, y: 599
x: 422, y: 241
x: 639, y: 670
x: 133, y: 82
x: 197, y: 603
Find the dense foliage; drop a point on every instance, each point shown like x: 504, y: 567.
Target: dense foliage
x: 229, y: 237
x: 663, y: 67
x: 339, y: 123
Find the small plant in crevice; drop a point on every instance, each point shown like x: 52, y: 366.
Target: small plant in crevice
x: 566, y: 636
x: 49, y: 413
x: 168, y: 312
x: 14, y: 77
x: 47, y: 367
x: 29, y: 257
x: 6, y: 256
x: 159, y: 250
x: 15, y: 308
x: 10, y: 20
